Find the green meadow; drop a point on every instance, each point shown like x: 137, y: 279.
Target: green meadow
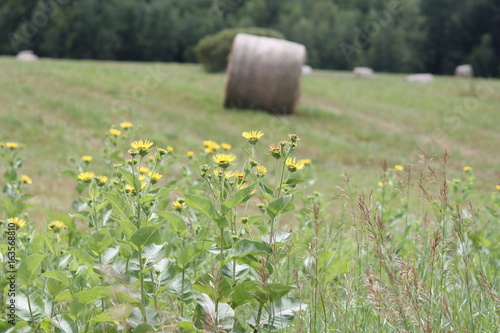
x: 60, y: 109
x: 391, y: 227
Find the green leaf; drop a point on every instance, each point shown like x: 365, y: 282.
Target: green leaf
x: 29, y: 269
x: 294, y: 181
x: 146, y: 199
x: 176, y: 288
x: 187, y: 327
x: 177, y: 222
x: 206, y: 207
x: 237, y: 198
x: 61, y: 323
x: 235, y: 271
x: 279, y: 315
x: 242, y: 293
x: 266, y: 192
x: 280, y: 206
x: 64, y: 296
x: 119, y: 204
x: 144, y: 328
x: 270, y: 292
x: 146, y: 235
x: 246, y: 247
x: 53, y: 287
x: 117, y: 313
x: 205, y: 313
x: 60, y: 276
x: 153, y: 253
x: 90, y: 295
x: 128, y: 227
x: 93, y: 191
x: 279, y: 237
x: 131, y: 179
x: 100, y: 241
x: 126, y: 248
x: 189, y: 252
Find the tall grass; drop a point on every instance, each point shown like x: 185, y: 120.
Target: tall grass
x: 213, y: 250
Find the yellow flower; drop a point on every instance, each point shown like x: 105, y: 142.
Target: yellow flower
x: 115, y: 132
x: 498, y: 187
x: 56, y: 226
x: 293, y: 165
x: 25, y: 179
x: 208, y: 150
x: 275, y: 151
x: 306, y: 161
x: 101, y: 180
x: 211, y: 144
x: 467, y: 168
x: 19, y: 223
x: 252, y: 136
x: 170, y: 149
x: 226, y: 146
x: 382, y: 184
x: 129, y: 188
x: 143, y: 170
x: 239, y: 174
x: 227, y: 174
x: 178, y: 204
x: 86, y: 177
x: 242, y: 186
x: 141, y: 177
x: 141, y: 145
x: 126, y: 125
x: 399, y: 167
x: 190, y: 154
x: 155, y: 177
x: 261, y: 170
x: 223, y: 160
x: 12, y: 145
x: 86, y: 158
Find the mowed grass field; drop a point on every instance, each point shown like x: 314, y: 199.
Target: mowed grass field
x: 61, y: 109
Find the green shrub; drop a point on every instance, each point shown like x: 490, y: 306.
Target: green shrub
x: 213, y: 50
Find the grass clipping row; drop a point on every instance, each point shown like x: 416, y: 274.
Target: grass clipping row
x: 264, y: 73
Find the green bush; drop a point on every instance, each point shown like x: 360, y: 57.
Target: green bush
x: 212, y: 51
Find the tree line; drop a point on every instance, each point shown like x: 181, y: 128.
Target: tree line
x: 387, y: 35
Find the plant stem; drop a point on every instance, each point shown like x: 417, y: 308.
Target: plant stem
x: 259, y: 314
x: 182, y: 291
x: 29, y: 306
x: 220, y: 278
x: 154, y: 290
x: 141, y: 277
x: 102, y: 279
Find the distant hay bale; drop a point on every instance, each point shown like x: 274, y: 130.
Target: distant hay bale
x: 420, y: 78
x: 307, y: 70
x: 264, y: 73
x: 464, y: 71
x: 362, y: 72
x: 27, y: 55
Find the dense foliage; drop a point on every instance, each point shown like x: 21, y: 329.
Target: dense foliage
x: 396, y: 35
x: 211, y: 241
x: 212, y: 50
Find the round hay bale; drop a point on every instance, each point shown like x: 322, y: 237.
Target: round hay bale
x: 264, y: 73
x: 464, y: 71
x: 362, y: 72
